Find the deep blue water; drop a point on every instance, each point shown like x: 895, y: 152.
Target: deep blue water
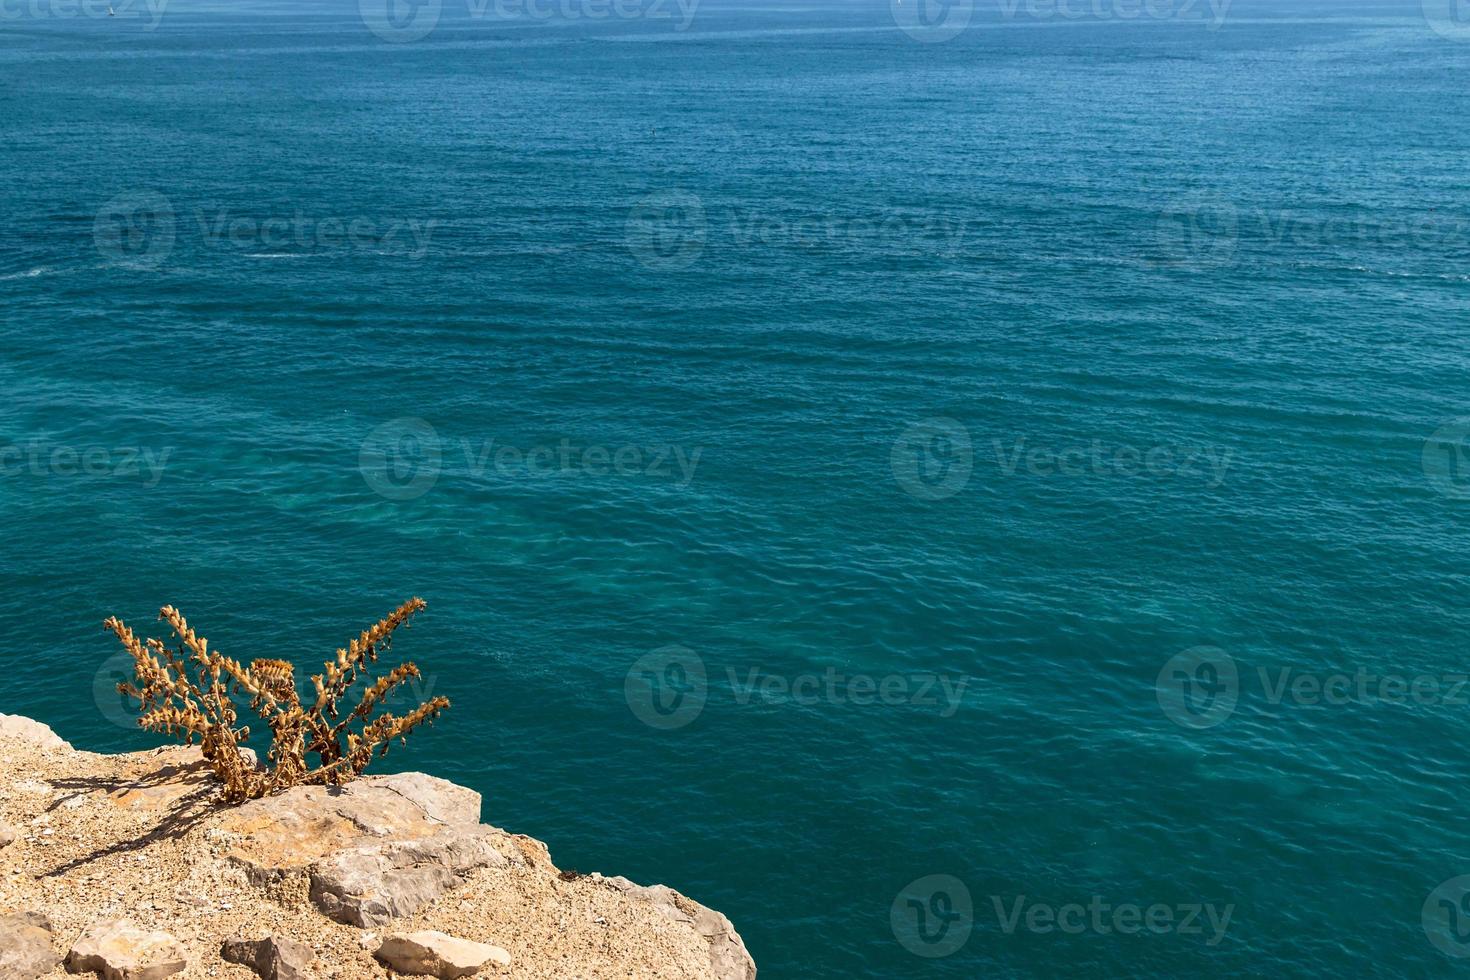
x: 658, y: 350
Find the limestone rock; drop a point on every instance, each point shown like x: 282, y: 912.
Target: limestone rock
x: 371, y: 851
x: 25, y: 947
x: 120, y: 950
x: 728, y: 955
x: 8, y: 835
x: 439, y: 799
x: 29, y: 730
x: 434, y: 954
x: 38, y: 919
x: 272, y: 958
x: 370, y: 886
x: 299, y: 827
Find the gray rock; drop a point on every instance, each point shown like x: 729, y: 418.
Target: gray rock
x: 370, y: 886
x: 25, y: 947
x: 38, y: 919
x: 433, y: 954
x: 272, y: 958
x: 371, y: 851
x: 439, y: 798
x: 119, y: 950
x: 29, y: 730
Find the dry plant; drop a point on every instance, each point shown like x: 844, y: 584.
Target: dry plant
x: 173, y: 702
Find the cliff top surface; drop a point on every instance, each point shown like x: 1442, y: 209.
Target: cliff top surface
x: 134, y: 858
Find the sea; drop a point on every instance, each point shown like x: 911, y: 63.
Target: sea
x: 966, y: 489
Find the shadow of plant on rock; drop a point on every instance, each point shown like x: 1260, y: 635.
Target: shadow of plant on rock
x: 175, y: 787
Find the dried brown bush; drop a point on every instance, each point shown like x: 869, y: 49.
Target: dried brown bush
x: 203, y: 706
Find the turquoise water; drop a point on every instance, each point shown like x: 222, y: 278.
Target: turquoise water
x: 708, y: 375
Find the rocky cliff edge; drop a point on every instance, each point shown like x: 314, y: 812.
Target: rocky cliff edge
x: 128, y: 867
